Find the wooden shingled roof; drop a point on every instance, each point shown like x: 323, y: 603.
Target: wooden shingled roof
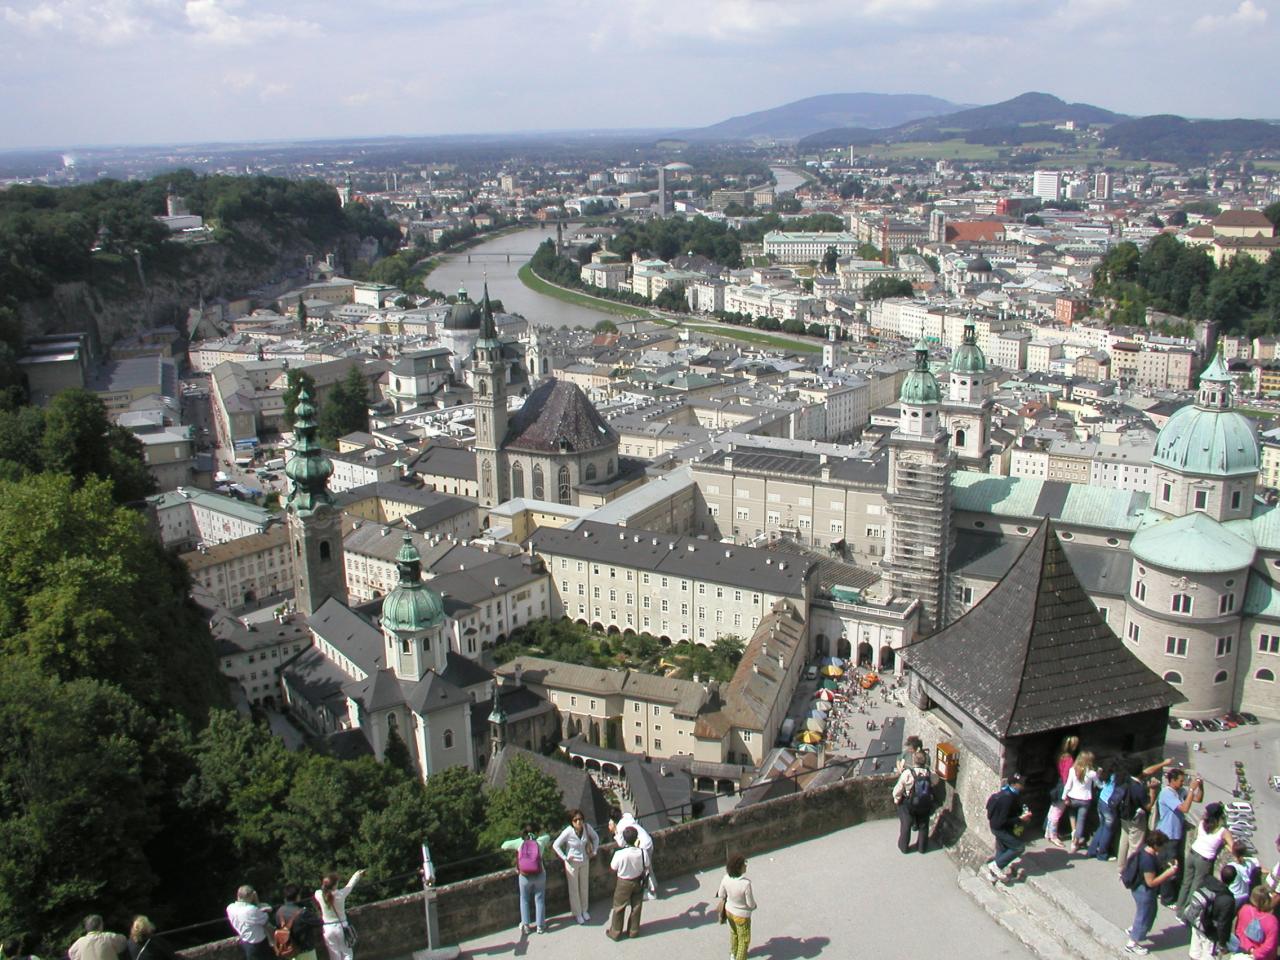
x: 1035, y: 654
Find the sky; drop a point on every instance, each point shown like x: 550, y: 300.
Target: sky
x: 83, y: 72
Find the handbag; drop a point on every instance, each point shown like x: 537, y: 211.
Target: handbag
x: 721, y: 911
x: 349, y: 934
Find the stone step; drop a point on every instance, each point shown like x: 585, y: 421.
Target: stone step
x: 1028, y: 917
x: 1106, y: 936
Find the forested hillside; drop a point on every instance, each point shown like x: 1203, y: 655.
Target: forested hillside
x: 95, y: 253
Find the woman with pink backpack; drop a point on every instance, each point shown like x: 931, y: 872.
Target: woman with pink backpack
x: 530, y: 847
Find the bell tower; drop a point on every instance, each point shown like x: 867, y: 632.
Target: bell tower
x: 918, y: 497
x: 490, y: 398
x: 314, y: 523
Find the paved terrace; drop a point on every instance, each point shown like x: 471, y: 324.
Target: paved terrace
x: 847, y: 894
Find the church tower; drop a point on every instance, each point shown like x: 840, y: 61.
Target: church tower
x: 490, y: 398
x: 497, y: 724
x: 314, y: 523
x: 918, y: 497
x: 967, y: 412
x: 413, y: 621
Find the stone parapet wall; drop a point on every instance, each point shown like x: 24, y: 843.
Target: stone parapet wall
x: 472, y: 908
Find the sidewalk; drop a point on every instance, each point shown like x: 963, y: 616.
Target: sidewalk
x: 849, y: 894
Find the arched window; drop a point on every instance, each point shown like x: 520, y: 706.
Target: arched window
x: 1265, y: 675
x: 539, y: 486
x: 486, y: 486
x: 448, y: 739
x: 1173, y: 676
x: 297, y: 548
x: 484, y: 388
x: 406, y: 645
x: 517, y: 480
x: 564, y: 484
x: 1220, y: 677
x: 589, y: 474
x: 326, y: 553
x: 959, y: 441
x: 391, y: 723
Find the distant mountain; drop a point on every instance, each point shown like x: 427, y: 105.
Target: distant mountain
x: 1029, y: 108
x: 1178, y: 140
x: 803, y: 117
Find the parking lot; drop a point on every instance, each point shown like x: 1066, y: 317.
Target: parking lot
x: 1258, y: 749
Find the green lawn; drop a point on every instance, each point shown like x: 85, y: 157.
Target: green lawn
x: 931, y: 150
x: 538, y: 285
x: 747, y: 335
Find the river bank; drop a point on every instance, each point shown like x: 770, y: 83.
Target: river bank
x: 545, y: 287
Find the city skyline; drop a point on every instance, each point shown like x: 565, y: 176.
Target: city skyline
x: 166, y: 71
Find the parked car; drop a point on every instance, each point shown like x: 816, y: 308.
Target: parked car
x: 1174, y: 724
x: 1184, y: 723
x: 1197, y: 726
x: 1239, y: 807
x: 1249, y: 718
x: 1211, y: 724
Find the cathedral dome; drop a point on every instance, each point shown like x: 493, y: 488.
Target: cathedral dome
x: 921, y: 386
x: 463, y: 315
x: 412, y: 605
x: 558, y: 418
x: 1207, y: 438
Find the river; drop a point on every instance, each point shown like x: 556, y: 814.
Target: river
x: 504, y: 285
x: 787, y: 179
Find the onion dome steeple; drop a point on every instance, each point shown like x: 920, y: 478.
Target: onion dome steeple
x: 968, y: 357
x: 921, y: 386
x: 308, y: 469
x: 412, y: 605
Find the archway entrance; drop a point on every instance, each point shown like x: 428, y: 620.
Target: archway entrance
x: 887, y: 659
x: 844, y: 649
x: 865, y: 654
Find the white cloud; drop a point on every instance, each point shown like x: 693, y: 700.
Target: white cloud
x: 99, y: 22
x: 214, y: 20
x: 1247, y: 14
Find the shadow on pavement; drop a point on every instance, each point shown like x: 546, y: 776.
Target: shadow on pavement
x: 790, y: 948
x: 697, y: 915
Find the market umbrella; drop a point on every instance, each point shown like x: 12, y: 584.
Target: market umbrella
x: 824, y: 695
x: 817, y: 715
x: 814, y: 724
x: 832, y: 662
x: 808, y: 748
x: 820, y: 706
x: 810, y: 737
x: 831, y: 671
x: 829, y: 684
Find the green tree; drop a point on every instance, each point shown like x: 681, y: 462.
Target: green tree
x: 672, y: 298
x: 1272, y: 213
x: 829, y: 260
x: 605, y: 326
x: 76, y: 801
x: 529, y: 796
x: 89, y: 592
x: 453, y: 814
x: 396, y: 754
x: 868, y: 251
x: 881, y: 288
x: 294, y: 381
x: 346, y: 409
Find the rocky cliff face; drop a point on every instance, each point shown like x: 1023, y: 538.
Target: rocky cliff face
x: 125, y: 297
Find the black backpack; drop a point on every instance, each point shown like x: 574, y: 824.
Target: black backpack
x: 1198, y: 907
x: 1130, y: 801
x: 920, y: 802
x: 1131, y: 875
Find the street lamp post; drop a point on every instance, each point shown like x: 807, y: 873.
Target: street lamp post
x: 433, y: 950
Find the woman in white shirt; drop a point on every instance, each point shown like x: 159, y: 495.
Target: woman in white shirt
x: 1078, y: 794
x: 739, y: 902
x: 1212, y: 836
x: 332, y: 900
x: 576, y: 845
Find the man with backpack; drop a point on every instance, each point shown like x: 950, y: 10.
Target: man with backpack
x: 1210, y: 913
x: 913, y: 796
x: 1007, y: 816
x: 297, y: 927
x: 1132, y: 801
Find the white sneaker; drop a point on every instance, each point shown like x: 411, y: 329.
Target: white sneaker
x: 1136, y: 949
x: 581, y: 919
x: 585, y: 916
x: 995, y: 874
x: 524, y: 929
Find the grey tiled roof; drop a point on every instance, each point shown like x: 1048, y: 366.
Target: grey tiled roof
x: 770, y: 571
x: 558, y: 416
x: 1036, y: 655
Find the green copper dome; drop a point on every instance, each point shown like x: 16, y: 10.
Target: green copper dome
x: 1207, y: 438
x: 308, y: 469
x: 921, y: 386
x: 412, y: 605
x: 1192, y: 544
x: 968, y: 358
